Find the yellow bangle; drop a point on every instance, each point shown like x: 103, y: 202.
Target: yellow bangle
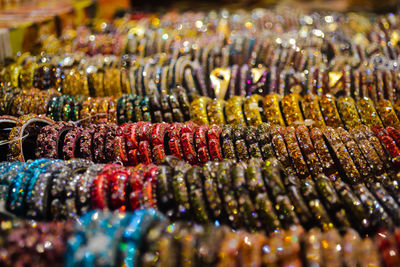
x: 215, y: 112
x: 198, y: 110
x: 387, y: 113
x: 312, y: 111
x: 291, y: 109
x: 367, y: 112
x: 233, y: 110
x: 271, y: 109
x: 348, y: 112
x: 251, y: 110
x: 329, y: 111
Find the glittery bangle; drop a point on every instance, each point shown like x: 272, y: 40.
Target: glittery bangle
x: 174, y: 145
x: 324, y: 155
x: 311, y: 110
x: 390, y: 145
x: 187, y: 143
x: 367, y: 112
x: 278, y: 143
x: 228, y: 147
x: 329, y: 111
x: 200, y: 137
x: 86, y: 142
x: 184, y: 102
x: 251, y: 108
x: 331, y: 239
x: 211, y: 190
x: 348, y: 112
x: 18, y: 149
x: 71, y: 143
x: 117, y: 184
x: 214, y: 145
x: 272, y: 110
x: 387, y: 114
x: 165, y: 198
x: 157, y: 141
x: 100, y: 187
x: 295, y: 152
x: 198, y: 110
x: 175, y: 108
x: 51, y: 140
x: 252, y: 142
x: 355, y: 153
x: 240, y: 143
x: 351, y: 171
x: 233, y: 111
x: 264, y: 140
x: 291, y: 109
x: 307, y: 148
x: 145, y: 108
x: 83, y: 188
x: 387, y: 201
x: 215, y: 112
x: 195, y: 190
x: 387, y: 248
x: 303, y: 212
x: 180, y: 191
x: 155, y: 108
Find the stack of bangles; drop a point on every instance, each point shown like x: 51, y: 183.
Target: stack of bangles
x: 251, y: 138
x: 147, y: 238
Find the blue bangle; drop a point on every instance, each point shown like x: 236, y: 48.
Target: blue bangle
x: 7, y: 172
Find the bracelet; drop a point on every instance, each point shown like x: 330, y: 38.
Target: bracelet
x: 252, y: 110
x: 348, y: 112
x: 387, y: 114
x: 291, y: 109
x: 215, y: 112
x: 228, y: 147
x: 328, y: 108
x: 198, y: 110
x: 367, y: 112
x: 233, y: 111
x: 311, y: 110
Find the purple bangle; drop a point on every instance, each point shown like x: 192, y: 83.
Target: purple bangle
x: 99, y: 143
x: 70, y: 143
x: 109, y: 150
x: 86, y: 142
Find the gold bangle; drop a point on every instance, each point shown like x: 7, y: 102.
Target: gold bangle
x: 348, y: 112
x: 329, y: 111
x: 312, y: 111
x: 198, y: 110
x: 215, y: 112
x: 271, y: 109
x: 291, y: 109
x: 234, y: 112
x: 367, y: 112
x: 387, y: 113
x: 295, y: 152
x: 251, y: 110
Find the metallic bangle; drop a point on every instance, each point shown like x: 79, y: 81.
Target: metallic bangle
x: 389, y: 144
x: 215, y: 112
x: 264, y: 140
x: 233, y: 111
x: 300, y: 207
x: 198, y: 110
x: 210, y: 187
x: 324, y: 155
x: 134, y: 187
x: 83, y: 188
x: 167, y: 111
x: 228, y: 147
x: 157, y: 141
x: 118, y: 179
x: 184, y: 102
x: 174, y: 104
x: 355, y: 153
x: 195, y: 190
x: 278, y: 143
x: 352, y: 174
x: 155, y: 107
x: 329, y: 111
x: 200, y: 138
x: 251, y: 108
x: 367, y: 112
x: 86, y: 141
x: 145, y: 108
x: 388, y: 202
x: 348, y: 112
x: 99, y: 143
x: 30, y: 124
x: 312, y: 111
x: 394, y: 133
x: 240, y: 143
x: 252, y: 142
x: 180, y: 191
x: 291, y: 109
x: 387, y: 114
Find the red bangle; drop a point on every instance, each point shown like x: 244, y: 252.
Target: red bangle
x: 389, y: 144
x: 130, y: 131
x: 120, y: 147
x: 187, y: 142
x: 200, y: 137
x: 99, y: 143
x: 173, y: 140
x: 99, y: 189
x: 157, y: 141
x: 118, y: 179
x: 144, y: 150
x: 214, y: 144
x: 150, y: 186
x: 85, y: 148
x: 395, y: 134
x: 135, y: 187
x: 144, y: 131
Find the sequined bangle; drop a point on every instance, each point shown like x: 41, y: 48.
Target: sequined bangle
x: 387, y: 114
x: 184, y: 102
x: 167, y: 111
x: 215, y: 112
x: 145, y: 108
x: 342, y: 155
x: 272, y: 110
x: 251, y: 109
x: 100, y: 187
x: 307, y: 148
x: 252, y: 142
x: 300, y: 207
x: 71, y: 143
x: 211, y: 192
x: 295, y: 152
x: 30, y: 125
x: 291, y: 109
x: 198, y: 110
x: 187, y: 142
x: 278, y: 143
x: 214, y: 145
x: 200, y: 137
x: 355, y: 153
x: 264, y: 140
x: 367, y: 112
x: 387, y: 201
x: 324, y: 155
x: 329, y: 111
x: 157, y: 141
x: 348, y: 112
x: 311, y: 110
x: 51, y: 140
x: 86, y: 142
x: 117, y: 184
x: 233, y: 111
x: 228, y: 147
x: 240, y: 143
x: 180, y: 191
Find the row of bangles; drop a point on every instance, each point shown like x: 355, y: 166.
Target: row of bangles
x: 229, y: 138
x: 146, y: 238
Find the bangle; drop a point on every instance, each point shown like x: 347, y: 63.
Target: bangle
x: 389, y: 144
x: 324, y: 155
x: 341, y: 153
x: 187, y: 143
x: 71, y: 140
x: 184, y: 102
x: 295, y: 153
x: 117, y: 184
x: 198, y: 110
x: 252, y: 142
x: 240, y: 143
x: 157, y: 141
x: 200, y: 138
x: 252, y: 110
x: 233, y: 111
x: 195, y: 190
x: 19, y: 143
x: 214, y: 145
x: 180, y: 191
x: 355, y: 153
x: 155, y: 107
x: 281, y: 152
x: 291, y: 109
x: 174, y: 104
x: 328, y: 108
x: 348, y: 112
x: 86, y: 142
x: 331, y: 241
x: 387, y: 114
x: 174, y: 146
x: 219, y: 79
x: 388, y: 202
x: 303, y: 213
x: 367, y: 112
x: 311, y: 110
x: 145, y: 108
x: 228, y: 147
x: 264, y: 140
x: 215, y: 112
x: 167, y: 111
x: 307, y: 148
x: 210, y: 187
x: 312, y: 247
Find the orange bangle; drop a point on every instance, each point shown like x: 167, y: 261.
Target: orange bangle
x: 291, y: 109
x: 387, y: 113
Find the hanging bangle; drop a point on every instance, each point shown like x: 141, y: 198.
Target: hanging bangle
x: 252, y: 142
x: 295, y: 153
x: 214, y: 145
x: 200, y: 137
x: 70, y: 143
x: 307, y: 148
x: 228, y: 147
